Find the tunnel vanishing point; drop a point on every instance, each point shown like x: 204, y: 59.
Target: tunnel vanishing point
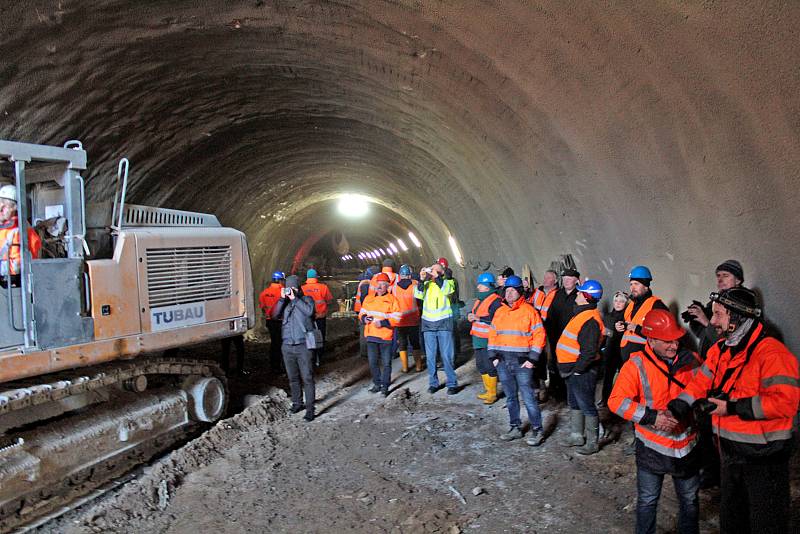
x: 660, y: 133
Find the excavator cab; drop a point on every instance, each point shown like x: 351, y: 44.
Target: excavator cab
x: 44, y: 304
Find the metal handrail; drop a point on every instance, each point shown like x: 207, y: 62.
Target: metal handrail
x: 122, y: 179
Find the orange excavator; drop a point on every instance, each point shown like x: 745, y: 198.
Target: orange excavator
x: 89, y: 383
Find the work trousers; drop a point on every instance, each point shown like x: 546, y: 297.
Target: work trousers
x: 408, y: 336
x: 380, y: 363
x: 275, y: 342
x: 648, y: 487
x: 300, y: 369
x: 612, y: 362
x: 755, y: 497
x: 557, y: 388
x: 580, y: 392
x: 440, y: 341
x: 518, y: 380
x: 483, y: 363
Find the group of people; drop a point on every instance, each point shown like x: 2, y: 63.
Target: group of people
x: 293, y: 311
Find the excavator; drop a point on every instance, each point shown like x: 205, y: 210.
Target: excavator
x: 91, y: 382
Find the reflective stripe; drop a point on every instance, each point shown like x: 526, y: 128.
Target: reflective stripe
x: 513, y: 333
x: 536, y: 327
x: 504, y: 348
x: 5, y: 254
x: 666, y: 451
x: 760, y: 439
x: 412, y: 311
x: 623, y: 407
x: 686, y: 434
x: 633, y: 338
x: 544, y: 308
x: 480, y: 327
x: 686, y: 397
x: 569, y: 335
x: 758, y: 410
x: 648, y: 394
x: 781, y: 380
x: 638, y: 413
x: 706, y: 371
x: 567, y: 349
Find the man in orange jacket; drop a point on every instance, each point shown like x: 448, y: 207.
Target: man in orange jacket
x: 266, y: 301
x: 516, y: 342
x: 10, y: 256
x: 380, y: 313
x: 749, y: 385
x: 322, y: 298
x: 647, y: 382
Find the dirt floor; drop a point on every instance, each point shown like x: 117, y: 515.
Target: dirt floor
x: 412, y: 462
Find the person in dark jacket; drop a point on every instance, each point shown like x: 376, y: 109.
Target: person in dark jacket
x: 578, y: 355
x: 612, y: 360
x: 561, y: 311
x: 297, y: 317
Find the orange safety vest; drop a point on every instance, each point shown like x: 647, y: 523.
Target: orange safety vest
x: 320, y: 293
x: 380, y: 307
x: 517, y: 329
x: 630, y: 336
x: 10, y: 256
x: 769, y: 379
x: 481, y: 309
x: 568, y: 349
x: 373, y: 283
x: 542, y: 301
x: 269, y: 297
x: 409, y: 311
x: 641, y: 384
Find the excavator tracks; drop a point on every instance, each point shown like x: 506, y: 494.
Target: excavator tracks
x: 107, y: 422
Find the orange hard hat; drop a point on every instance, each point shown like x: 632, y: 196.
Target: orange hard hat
x: 661, y: 324
x: 382, y: 277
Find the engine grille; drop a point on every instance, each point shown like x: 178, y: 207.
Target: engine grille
x: 182, y: 275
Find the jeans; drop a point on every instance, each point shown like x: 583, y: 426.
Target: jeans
x: 443, y: 339
x: 516, y: 378
x: 380, y: 363
x: 756, y: 497
x: 580, y: 392
x: 299, y: 362
x: 648, y: 486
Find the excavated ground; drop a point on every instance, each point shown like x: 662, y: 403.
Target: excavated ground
x: 408, y: 463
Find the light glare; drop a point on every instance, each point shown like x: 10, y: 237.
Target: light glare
x: 456, y: 251
x: 353, y: 206
x: 402, y: 244
x: 414, y: 239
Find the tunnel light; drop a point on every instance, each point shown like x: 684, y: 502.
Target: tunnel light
x: 402, y: 244
x: 456, y: 251
x: 394, y: 248
x: 376, y: 253
x: 353, y: 206
x: 383, y: 252
x: 414, y: 239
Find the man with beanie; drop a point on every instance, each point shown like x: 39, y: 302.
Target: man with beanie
x: 750, y: 387
x: 379, y: 314
x: 297, y: 313
x: 486, y: 304
x: 578, y: 355
x: 561, y: 311
x: 641, y: 302
x: 516, y: 341
x: 729, y: 274
x: 322, y: 298
x: 408, y: 336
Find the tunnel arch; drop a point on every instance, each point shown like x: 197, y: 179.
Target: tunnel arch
x: 663, y: 134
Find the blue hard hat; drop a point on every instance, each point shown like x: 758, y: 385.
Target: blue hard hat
x: 513, y: 281
x: 405, y: 269
x: 277, y: 276
x: 487, y: 279
x: 593, y: 288
x: 369, y: 272
x: 311, y: 273
x: 640, y: 271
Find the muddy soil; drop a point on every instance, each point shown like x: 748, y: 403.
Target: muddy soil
x: 412, y: 462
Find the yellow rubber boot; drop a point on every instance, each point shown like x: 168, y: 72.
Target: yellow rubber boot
x: 404, y: 360
x: 485, y: 394
x: 418, y: 360
x: 491, y: 386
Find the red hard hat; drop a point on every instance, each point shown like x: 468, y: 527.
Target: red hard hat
x: 443, y: 262
x: 661, y: 324
x: 382, y: 277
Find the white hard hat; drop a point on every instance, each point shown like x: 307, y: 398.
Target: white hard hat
x: 8, y: 192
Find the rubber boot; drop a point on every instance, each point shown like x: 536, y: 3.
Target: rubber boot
x: 592, y: 430
x: 417, y: 360
x: 491, y: 386
x: 485, y: 394
x: 404, y: 360
x: 576, y: 424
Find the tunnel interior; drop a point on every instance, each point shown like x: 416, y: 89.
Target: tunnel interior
x: 635, y: 133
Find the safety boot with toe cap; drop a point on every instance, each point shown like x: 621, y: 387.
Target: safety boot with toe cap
x: 512, y: 434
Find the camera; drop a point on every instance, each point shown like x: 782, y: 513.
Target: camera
x: 688, y: 317
x: 704, y: 407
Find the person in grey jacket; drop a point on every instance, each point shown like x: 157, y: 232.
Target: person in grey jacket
x: 297, y: 312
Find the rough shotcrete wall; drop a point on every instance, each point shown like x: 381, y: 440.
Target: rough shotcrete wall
x: 663, y: 133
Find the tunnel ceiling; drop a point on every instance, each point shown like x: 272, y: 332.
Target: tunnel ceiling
x: 663, y: 133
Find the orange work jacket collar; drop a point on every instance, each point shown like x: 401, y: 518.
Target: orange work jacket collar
x: 10, y: 224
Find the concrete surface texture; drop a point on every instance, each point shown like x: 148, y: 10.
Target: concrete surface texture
x: 659, y: 133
